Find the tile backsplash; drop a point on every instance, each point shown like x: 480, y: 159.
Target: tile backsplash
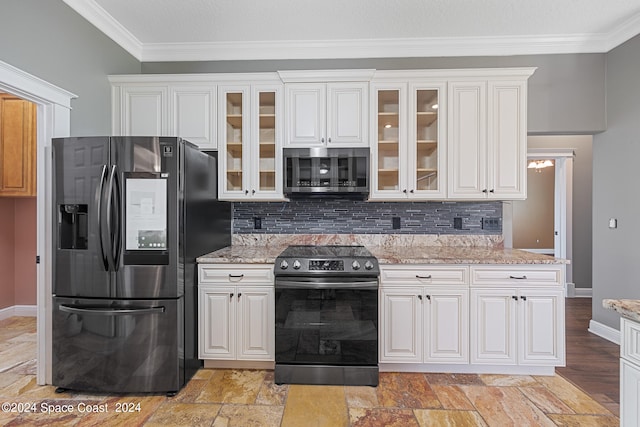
x: 349, y: 216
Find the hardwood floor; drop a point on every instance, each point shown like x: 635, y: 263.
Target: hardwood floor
x: 593, y: 363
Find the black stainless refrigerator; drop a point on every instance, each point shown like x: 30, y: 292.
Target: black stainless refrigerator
x: 132, y: 214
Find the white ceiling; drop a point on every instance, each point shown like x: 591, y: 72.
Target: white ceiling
x: 197, y: 30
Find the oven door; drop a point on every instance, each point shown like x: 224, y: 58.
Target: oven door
x: 326, y: 321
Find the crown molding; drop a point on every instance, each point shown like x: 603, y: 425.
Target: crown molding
x: 354, y: 49
x: 96, y: 15
x: 630, y: 28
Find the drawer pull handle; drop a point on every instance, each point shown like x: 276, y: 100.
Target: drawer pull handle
x: 518, y: 277
x: 423, y: 277
x: 236, y: 276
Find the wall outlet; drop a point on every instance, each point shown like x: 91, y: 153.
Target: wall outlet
x: 491, y: 224
x: 457, y: 223
x: 395, y: 223
x: 257, y: 223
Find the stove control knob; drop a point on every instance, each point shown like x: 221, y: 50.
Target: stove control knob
x: 296, y: 264
x: 368, y: 265
x: 355, y: 265
x: 284, y: 264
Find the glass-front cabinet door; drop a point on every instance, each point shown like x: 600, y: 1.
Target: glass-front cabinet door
x: 233, y: 128
x: 266, y: 182
x: 250, y: 148
x: 427, y: 146
x: 389, y: 147
x: 408, y: 152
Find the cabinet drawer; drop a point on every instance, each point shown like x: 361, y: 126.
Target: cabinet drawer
x: 425, y: 275
x: 510, y: 276
x: 235, y: 273
x: 630, y: 346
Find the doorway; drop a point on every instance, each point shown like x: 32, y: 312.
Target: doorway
x: 54, y: 119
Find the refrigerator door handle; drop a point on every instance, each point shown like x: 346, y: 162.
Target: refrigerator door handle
x: 117, y: 236
x: 100, y: 197
x: 112, y: 232
x: 110, y: 311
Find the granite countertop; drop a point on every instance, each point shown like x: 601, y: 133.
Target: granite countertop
x: 257, y: 254
x: 629, y: 308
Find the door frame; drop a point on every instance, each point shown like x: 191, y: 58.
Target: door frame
x: 53, y: 120
x: 563, y: 204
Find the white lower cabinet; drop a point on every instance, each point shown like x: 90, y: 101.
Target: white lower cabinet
x: 426, y: 322
x: 517, y: 325
x: 236, y: 313
x: 629, y: 373
x: 494, y: 319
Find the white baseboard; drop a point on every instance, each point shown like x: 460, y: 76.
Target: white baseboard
x: 19, y: 310
x: 604, y: 331
x: 573, y: 292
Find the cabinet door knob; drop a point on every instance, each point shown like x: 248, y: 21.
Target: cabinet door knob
x: 329, y: 139
x: 246, y: 192
x: 404, y: 191
x: 420, y: 297
x: 524, y: 298
x: 492, y: 191
x: 514, y: 297
x: 230, y: 296
x: 484, y: 191
x: 429, y: 297
x: 253, y: 192
x: 412, y: 191
x: 239, y: 295
x: 322, y: 140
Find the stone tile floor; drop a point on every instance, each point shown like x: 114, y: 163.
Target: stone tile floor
x: 227, y: 398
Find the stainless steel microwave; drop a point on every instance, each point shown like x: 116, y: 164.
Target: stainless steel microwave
x: 326, y: 172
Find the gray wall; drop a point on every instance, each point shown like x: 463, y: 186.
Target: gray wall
x: 581, y: 261
x: 616, y: 174
x: 49, y: 40
x: 566, y: 92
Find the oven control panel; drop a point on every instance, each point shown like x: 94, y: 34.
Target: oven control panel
x: 326, y: 265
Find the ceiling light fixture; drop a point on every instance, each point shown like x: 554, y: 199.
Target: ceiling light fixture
x: 539, y: 164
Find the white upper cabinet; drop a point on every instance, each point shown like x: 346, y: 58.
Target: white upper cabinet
x: 408, y: 141
x: 249, y: 142
x: 142, y: 111
x: 193, y: 114
x: 326, y: 107
x: 332, y: 114
x: 487, y: 134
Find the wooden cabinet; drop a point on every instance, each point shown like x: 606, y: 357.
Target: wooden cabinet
x: 424, y: 315
x: 17, y: 147
x: 487, y: 139
x: 331, y: 114
x: 236, y: 312
x: 408, y: 141
x: 519, y: 320
x: 250, y: 148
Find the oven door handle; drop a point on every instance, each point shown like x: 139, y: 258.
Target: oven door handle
x: 303, y: 284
